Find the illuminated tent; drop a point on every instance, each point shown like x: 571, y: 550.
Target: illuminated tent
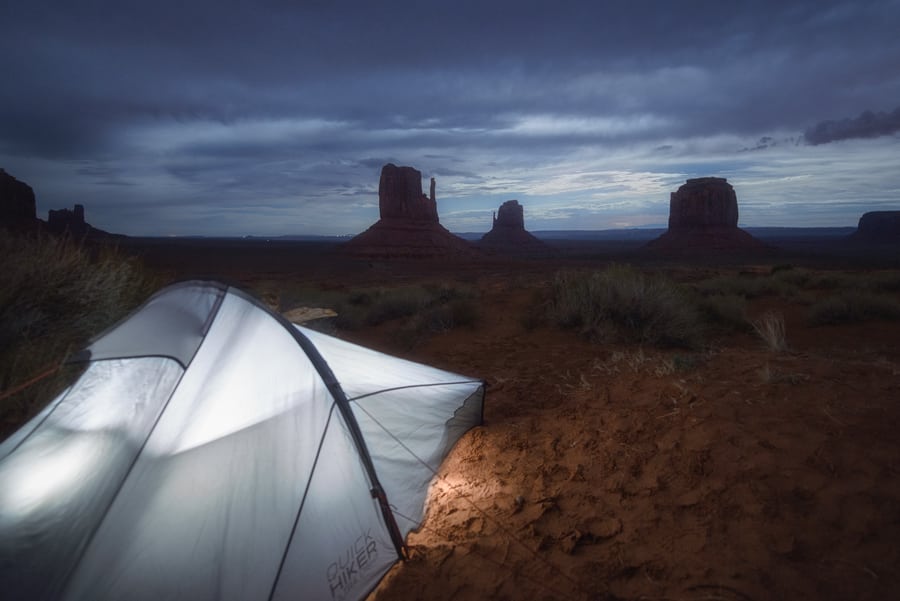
x: 213, y: 450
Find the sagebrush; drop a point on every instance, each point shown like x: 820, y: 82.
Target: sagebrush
x: 55, y: 294
x: 621, y: 303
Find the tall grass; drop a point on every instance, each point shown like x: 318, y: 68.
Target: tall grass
x: 620, y: 303
x: 770, y: 328
x: 54, y: 295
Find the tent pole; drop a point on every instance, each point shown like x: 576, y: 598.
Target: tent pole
x: 343, y: 403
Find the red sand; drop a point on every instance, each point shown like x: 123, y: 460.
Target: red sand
x: 752, y: 475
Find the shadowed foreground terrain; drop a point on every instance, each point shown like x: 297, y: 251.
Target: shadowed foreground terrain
x: 608, y: 469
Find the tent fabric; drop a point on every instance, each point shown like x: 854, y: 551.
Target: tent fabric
x: 212, y: 450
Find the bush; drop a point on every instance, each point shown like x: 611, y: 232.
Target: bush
x: 884, y: 281
x: 395, y: 303
x: 854, y: 307
x: 729, y: 310
x: 420, y: 310
x: 55, y: 294
x: 748, y: 286
x: 620, y: 302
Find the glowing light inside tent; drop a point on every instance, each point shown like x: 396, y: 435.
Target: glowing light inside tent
x: 44, y: 473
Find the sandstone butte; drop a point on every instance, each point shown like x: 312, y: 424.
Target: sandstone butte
x: 17, y: 204
x: 703, y: 215
x: 18, y: 212
x: 878, y: 226
x: 508, y: 234
x: 408, y: 226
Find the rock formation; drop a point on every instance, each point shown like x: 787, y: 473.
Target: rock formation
x: 17, y: 205
x: 18, y: 212
x: 703, y: 202
x: 878, y: 226
x: 703, y: 215
x: 508, y: 234
x: 68, y: 221
x: 400, y: 195
x: 408, y: 224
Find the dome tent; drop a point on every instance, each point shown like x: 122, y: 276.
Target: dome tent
x: 213, y: 450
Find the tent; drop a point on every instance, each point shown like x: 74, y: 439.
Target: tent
x: 214, y: 450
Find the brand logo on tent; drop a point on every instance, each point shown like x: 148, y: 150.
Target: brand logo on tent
x: 345, y: 572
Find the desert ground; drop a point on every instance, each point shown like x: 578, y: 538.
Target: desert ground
x: 615, y: 470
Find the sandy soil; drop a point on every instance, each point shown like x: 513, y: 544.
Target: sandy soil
x: 620, y: 472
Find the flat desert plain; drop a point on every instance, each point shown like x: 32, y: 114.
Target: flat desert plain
x: 608, y: 469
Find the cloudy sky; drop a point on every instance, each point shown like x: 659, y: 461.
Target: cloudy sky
x: 230, y: 118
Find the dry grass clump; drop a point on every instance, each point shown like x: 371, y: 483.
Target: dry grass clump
x: 55, y: 294
x: 651, y: 364
x: 854, y: 307
x: 770, y: 328
x: 622, y: 303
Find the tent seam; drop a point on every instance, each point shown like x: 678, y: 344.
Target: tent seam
x: 340, y: 398
x: 312, y: 473
x: 382, y: 391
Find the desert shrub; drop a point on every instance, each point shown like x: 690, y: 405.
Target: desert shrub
x: 833, y: 280
x: 749, y: 286
x: 55, y: 294
x: 349, y: 317
x: 770, y: 328
x: 621, y: 302
x: 443, y: 317
x: 884, y: 281
x: 360, y: 298
x: 854, y: 307
x: 535, y: 314
x: 464, y: 312
x: 789, y: 278
x: 781, y: 267
x: 728, y: 310
x: 389, y: 304
x: 443, y: 293
x: 435, y: 307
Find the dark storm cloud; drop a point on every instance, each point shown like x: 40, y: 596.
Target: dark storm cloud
x: 238, y: 101
x: 866, y: 125
x: 96, y: 65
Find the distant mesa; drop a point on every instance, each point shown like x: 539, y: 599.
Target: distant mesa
x: 508, y: 234
x: 703, y: 215
x: 18, y: 210
x: 409, y: 225
x: 878, y: 226
x: 68, y: 220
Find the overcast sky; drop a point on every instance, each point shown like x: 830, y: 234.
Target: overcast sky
x: 230, y: 118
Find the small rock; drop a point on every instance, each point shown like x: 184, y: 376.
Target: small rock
x: 518, y: 504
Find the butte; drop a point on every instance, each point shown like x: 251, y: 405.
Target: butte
x: 703, y: 216
x: 508, y: 234
x: 408, y: 226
